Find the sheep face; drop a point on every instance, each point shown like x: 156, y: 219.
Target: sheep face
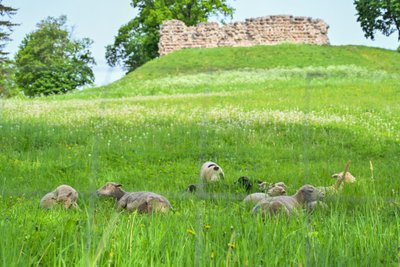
x: 347, y: 179
x: 211, y: 172
x: 265, y: 186
x: 276, y: 190
x: 110, y: 190
x: 48, y: 201
x: 68, y: 200
x: 310, y: 194
x: 245, y: 182
x: 191, y: 188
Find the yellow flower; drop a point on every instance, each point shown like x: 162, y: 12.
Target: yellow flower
x: 190, y: 231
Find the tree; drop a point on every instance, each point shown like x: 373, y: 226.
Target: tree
x: 378, y: 15
x: 7, y: 87
x: 6, y: 28
x: 137, y: 41
x: 49, y: 61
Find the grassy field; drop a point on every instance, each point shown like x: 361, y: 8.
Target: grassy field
x: 291, y: 113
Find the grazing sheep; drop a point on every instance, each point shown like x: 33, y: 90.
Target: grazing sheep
x: 143, y: 202
x: 62, y: 194
x: 211, y: 172
x: 272, y: 192
x: 288, y: 204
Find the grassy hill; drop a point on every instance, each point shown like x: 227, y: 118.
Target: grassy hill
x: 270, y: 62
x: 291, y: 113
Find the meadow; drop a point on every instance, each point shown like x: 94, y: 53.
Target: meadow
x: 291, y: 113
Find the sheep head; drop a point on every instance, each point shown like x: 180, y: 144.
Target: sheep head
x: 245, y: 182
x: 211, y: 172
x: 111, y: 189
x: 347, y: 179
x: 67, y: 200
x: 308, y: 194
x: 276, y: 190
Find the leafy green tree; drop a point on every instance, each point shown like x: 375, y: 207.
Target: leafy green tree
x: 378, y: 15
x: 8, y: 88
x: 137, y: 41
x: 49, y: 61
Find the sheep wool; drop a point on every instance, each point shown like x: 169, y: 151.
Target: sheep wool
x: 211, y: 172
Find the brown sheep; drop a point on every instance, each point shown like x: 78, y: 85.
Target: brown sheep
x: 288, y: 204
x: 143, y: 202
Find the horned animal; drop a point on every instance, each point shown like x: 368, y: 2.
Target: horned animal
x: 143, y: 202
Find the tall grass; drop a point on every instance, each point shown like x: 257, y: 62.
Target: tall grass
x: 297, y: 125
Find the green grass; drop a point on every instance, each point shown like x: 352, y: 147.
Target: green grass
x: 279, y: 113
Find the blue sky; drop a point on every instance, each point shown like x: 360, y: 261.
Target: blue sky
x: 100, y: 21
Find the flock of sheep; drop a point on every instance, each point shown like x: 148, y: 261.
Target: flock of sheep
x: 271, y: 200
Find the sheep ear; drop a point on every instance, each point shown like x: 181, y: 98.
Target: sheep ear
x: 118, y: 185
x: 336, y: 175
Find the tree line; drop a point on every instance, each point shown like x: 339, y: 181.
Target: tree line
x: 49, y: 61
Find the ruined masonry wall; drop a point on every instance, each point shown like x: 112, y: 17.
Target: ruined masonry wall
x: 270, y: 30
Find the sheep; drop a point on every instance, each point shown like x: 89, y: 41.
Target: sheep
x: 62, y: 194
x: 211, y: 172
x: 341, y: 177
x: 245, y: 182
x: 262, y: 185
x: 143, y: 202
x: 273, y: 191
x: 289, y: 204
x: 265, y: 186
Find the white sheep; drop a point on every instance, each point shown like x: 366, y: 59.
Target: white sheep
x: 273, y: 191
x: 62, y: 194
x: 211, y: 172
x: 288, y: 204
x: 143, y: 202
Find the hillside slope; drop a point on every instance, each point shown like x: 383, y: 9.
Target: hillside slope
x: 216, y: 60
x: 292, y: 114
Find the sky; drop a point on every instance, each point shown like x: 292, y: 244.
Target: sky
x: 100, y: 20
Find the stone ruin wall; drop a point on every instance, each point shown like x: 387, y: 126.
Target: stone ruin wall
x: 270, y: 30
